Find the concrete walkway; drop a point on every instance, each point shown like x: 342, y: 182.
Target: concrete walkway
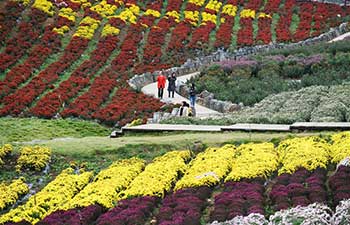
x: 341, y: 37
x: 248, y: 127
x: 151, y: 89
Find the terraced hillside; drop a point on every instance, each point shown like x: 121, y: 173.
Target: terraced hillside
x: 72, y: 58
x: 252, y: 183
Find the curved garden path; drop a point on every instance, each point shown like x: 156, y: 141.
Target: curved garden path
x: 151, y: 89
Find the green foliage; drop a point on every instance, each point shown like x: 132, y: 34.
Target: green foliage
x: 251, y: 80
x: 295, y: 20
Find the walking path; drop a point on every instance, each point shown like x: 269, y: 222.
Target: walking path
x: 341, y: 37
x: 248, y: 127
x: 201, y: 111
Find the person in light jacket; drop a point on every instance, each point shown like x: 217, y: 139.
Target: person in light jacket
x: 161, y: 79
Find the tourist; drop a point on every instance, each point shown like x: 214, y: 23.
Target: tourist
x: 192, y: 95
x: 161, y: 79
x: 171, y: 84
x: 183, y: 109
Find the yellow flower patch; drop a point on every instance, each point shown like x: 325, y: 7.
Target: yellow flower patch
x: 340, y: 148
x: 109, y: 30
x: 128, y: 15
x: 151, y: 12
x: 175, y: 15
x: 44, y: 6
x: 247, y: 13
x: 87, y: 28
x: 208, y: 17
x: 50, y: 198
x: 208, y: 168
x: 264, y: 15
x: 83, y: 3
x: 9, y: 193
x: 214, y: 5
x: 4, y: 151
x: 104, y: 9
x: 197, y: 2
x: 67, y: 13
x: 253, y: 160
x: 309, y: 153
x: 36, y: 157
x: 159, y: 176
x: 107, y: 184
x: 230, y: 10
x: 62, y: 30
x: 193, y: 16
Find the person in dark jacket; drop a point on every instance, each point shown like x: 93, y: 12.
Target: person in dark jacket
x: 171, y: 85
x: 183, y: 109
x: 192, y: 95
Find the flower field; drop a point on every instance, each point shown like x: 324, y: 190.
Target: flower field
x: 73, y: 58
x: 297, y: 179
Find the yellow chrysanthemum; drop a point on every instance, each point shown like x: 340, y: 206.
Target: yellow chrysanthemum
x: 230, y: 10
x: 247, y: 13
x: 253, y: 160
x: 151, y: 12
x: 110, y: 30
x: 159, y: 176
x: 62, y: 30
x: 56, y: 193
x: 208, y: 168
x: 44, y: 6
x: 87, y: 28
x: 214, y: 5
x: 36, y: 157
x: 104, y: 9
x: 309, y: 153
x: 67, y: 13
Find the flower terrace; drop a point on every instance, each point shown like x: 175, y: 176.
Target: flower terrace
x: 302, y: 178
x: 73, y: 58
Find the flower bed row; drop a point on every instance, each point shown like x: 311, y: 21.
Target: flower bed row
x: 12, y: 11
x: 50, y: 43
x: 205, y: 170
x: 312, y: 214
x: 36, y: 157
x: 15, y: 103
x: 11, y: 192
x: 159, y: 176
x: 27, y: 34
x: 52, y: 102
x: 88, y: 104
x: 253, y: 161
x: 304, y: 26
x: 300, y: 188
x: 56, y: 193
x: 107, y: 185
x: 239, y: 199
x: 4, y: 151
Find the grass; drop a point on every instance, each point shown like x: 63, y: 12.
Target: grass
x: 147, y: 146
x: 89, y: 147
x: 28, y: 129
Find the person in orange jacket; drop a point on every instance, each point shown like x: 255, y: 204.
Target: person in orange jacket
x: 161, y: 79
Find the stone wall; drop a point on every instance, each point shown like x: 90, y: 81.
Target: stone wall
x: 207, y: 99
x: 197, y: 64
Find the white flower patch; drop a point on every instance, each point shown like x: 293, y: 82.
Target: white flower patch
x: 314, y: 214
x: 342, y: 213
x: 251, y: 219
